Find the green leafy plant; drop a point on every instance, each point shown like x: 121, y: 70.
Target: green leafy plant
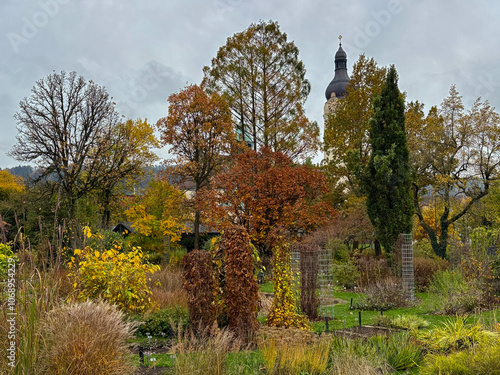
x: 456, y: 293
x: 6, y: 254
x: 409, y: 322
x: 400, y: 351
x: 160, y: 322
x: 345, y: 274
x: 425, y: 269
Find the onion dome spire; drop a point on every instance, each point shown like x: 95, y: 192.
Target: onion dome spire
x: 338, y: 85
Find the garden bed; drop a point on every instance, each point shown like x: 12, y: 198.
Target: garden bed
x: 364, y: 332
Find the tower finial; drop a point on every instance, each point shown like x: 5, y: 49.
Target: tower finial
x: 340, y: 40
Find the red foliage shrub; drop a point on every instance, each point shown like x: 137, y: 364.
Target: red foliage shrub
x: 242, y: 290
x: 425, y: 269
x: 200, y: 287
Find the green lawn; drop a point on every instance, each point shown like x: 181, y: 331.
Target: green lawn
x: 343, y: 317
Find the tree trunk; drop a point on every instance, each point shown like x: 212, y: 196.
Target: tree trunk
x: 196, y: 229
x: 378, y: 248
x: 106, y: 215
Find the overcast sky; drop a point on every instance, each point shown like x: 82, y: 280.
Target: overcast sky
x: 142, y: 51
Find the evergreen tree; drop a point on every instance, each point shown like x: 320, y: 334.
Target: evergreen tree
x: 387, y: 178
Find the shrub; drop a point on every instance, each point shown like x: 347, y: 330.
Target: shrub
x: 383, y: 295
x: 242, y: 290
x: 160, y: 322
x: 200, y: 287
x: 383, y: 321
x: 456, y: 294
x: 372, y: 270
x: 117, y: 277
x: 345, y: 274
x: 86, y: 338
x: 425, y: 269
x: 339, y: 249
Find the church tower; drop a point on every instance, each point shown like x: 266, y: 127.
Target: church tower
x: 336, y: 90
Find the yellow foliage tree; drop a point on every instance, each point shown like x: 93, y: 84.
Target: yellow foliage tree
x: 10, y: 184
x: 160, y: 213
x: 455, y: 154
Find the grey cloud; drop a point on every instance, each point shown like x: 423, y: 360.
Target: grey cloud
x: 142, y: 51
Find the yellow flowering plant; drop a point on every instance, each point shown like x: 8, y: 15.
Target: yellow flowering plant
x: 111, y: 274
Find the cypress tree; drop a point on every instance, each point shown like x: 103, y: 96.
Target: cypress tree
x: 387, y: 177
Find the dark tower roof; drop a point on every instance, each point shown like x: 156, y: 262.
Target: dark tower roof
x: 340, y: 80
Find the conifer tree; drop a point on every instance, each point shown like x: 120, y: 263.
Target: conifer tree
x: 387, y: 178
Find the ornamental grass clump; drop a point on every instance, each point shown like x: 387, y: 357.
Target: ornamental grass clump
x: 456, y: 335
x: 203, y: 353
x: 295, y: 358
x: 86, y: 338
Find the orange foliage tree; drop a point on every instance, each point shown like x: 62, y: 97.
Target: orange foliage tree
x: 199, y: 131
x: 263, y: 190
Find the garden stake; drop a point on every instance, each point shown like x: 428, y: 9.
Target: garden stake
x: 326, y: 324
x: 141, y: 355
x: 359, y: 319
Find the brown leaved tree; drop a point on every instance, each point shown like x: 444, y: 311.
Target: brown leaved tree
x: 260, y: 72
x: 199, y: 132
x: 64, y: 127
x: 263, y: 190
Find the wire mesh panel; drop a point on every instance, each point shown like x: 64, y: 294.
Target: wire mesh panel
x: 326, y: 282
x: 314, y: 268
x: 407, y: 266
